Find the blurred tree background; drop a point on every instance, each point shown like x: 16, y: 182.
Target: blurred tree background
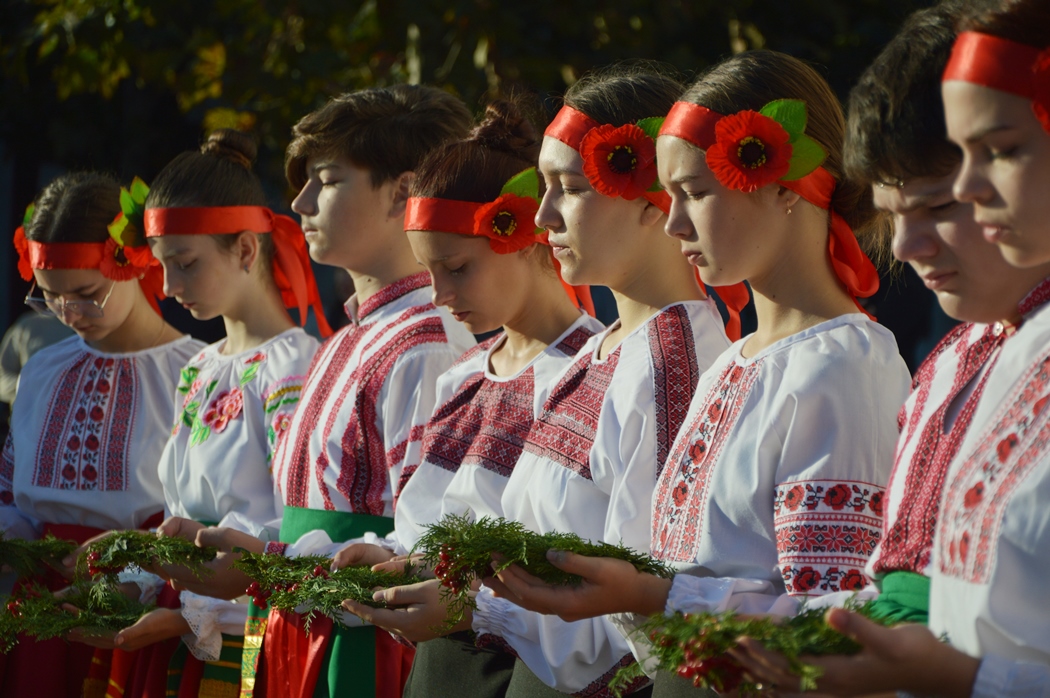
x: 124, y: 85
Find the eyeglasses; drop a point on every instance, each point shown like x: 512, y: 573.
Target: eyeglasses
x: 61, y: 307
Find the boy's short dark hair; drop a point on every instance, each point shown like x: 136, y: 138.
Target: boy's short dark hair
x: 895, y: 122
x: 387, y: 130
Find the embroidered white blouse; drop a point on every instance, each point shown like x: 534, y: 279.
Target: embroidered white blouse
x: 774, y: 487
x: 87, y: 431
x: 215, y: 468
x: 366, y: 400
x: 589, y: 466
x: 476, y: 434
x: 991, y: 554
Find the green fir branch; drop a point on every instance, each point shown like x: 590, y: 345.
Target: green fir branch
x: 694, y: 646
x: 122, y: 549
x: 287, y: 583
x: 30, y: 557
x: 460, y: 550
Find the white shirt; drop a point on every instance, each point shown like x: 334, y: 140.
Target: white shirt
x: 476, y: 434
x: 774, y: 488
x: 366, y: 400
x: 87, y: 430
x: 589, y: 466
x: 991, y: 555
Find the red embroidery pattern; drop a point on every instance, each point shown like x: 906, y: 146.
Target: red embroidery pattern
x: 909, y: 539
x: 1036, y: 298
x: 7, y: 472
x: 599, y: 688
x: 675, y: 373
x: 363, y: 470
x: 389, y: 294
x: 980, y: 491
x: 485, y: 424
x: 923, y: 379
x: 565, y: 430
x: 397, y: 454
x: 826, y: 530
x: 494, y: 643
x: 571, y: 345
x: 85, y: 443
x: 681, y: 491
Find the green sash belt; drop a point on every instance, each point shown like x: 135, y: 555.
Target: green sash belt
x: 904, y: 597
x: 350, y: 661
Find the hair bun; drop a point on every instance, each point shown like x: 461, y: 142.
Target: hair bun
x: 505, y: 128
x: 231, y: 145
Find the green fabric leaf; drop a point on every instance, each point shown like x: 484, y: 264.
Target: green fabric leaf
x: 526, y: 184
x: 186, y: 378
x: 139, y: 190
x: 117, y: 229
x: 127, y: 204
x: 789, y: 113
x: 806, y: 156
x: 211, y: 387
x: 651, y: 126
x: 189, y: 414
x: 249, y: 373
x: 28, y: 214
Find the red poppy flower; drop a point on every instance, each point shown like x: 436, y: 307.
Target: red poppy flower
x: 853, y: 580
x: 974, y: 495
x: 508, y: 223
x: 124, y: 263
x: 1041, y: 83
x: 25, y: 269
x: 619, y: 161
x: 794, y: 497
x: 838, y: 496
x: 806, y: 579
x: 750, y: 151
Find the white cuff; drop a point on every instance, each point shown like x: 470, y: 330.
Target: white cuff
x: 204, y: 638
x: 691, y: 594
x: 149, y: 584
x: 1007, y: 678
x: 490, y: 617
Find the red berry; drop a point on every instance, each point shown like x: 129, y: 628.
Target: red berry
x: 94, y: 556
x: 320, y: 572
x: 253, y: 589
x: 293, y: 588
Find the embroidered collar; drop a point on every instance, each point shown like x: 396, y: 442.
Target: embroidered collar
x: 1033, y: 301
x: 387, y: 295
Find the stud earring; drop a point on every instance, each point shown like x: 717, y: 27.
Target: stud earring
x: 789, y: 211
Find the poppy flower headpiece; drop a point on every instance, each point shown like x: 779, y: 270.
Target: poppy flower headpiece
x: 291, y: 261
x: 619, y: 161
x: 749, y: 150
x: 509, y: 222
x: 122, y: 257
x: 1004, y: 65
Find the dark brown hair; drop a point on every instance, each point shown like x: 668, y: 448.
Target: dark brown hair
x: 386, y: 130
x: 624, y: 93
x: 219, y: 174
x: 895, y: 128
x: 751, y: 80
x: 503, y: 144
x: 75, y: 207
x: 1023, y: 21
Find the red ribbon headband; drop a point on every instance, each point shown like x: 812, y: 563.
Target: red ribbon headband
x: 696, y: 124
x: 65, y: 255
x: 597, y: 142
x: 1004, y: 65
x: 508, y: 222
x: 291, y: 264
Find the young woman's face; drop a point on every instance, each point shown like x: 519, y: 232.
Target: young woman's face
x: 1005, y: 171
x: 596, y: 239
x: 198, y: 273
x: 481, y: 289
x: 724, y: 233
x: 117, y: 298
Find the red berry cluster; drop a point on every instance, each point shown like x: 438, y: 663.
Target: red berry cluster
x: 95, y: 569
x: 261, y: 596
x: 719, y: 672
x: 452, y: 575
x: 15, y: 608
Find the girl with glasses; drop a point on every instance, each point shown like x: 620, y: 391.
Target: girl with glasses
x: 93, y: 412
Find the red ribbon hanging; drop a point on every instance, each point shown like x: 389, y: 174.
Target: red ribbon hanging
x: 291, y: 264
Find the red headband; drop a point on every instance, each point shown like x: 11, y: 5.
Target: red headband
x: 696, y: 124
x: 291, y: 264
x: 1004, y: 65
x: 589, y: 138
x: 517, y: 213
x: 114, y: 261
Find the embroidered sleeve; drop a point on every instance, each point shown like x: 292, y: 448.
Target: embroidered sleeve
x: 278, y: 406
x: 826, y: 530
x: 13, y: 523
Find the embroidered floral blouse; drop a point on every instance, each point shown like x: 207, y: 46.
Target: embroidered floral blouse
x: 87, y: 431
x: 774, y: 488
